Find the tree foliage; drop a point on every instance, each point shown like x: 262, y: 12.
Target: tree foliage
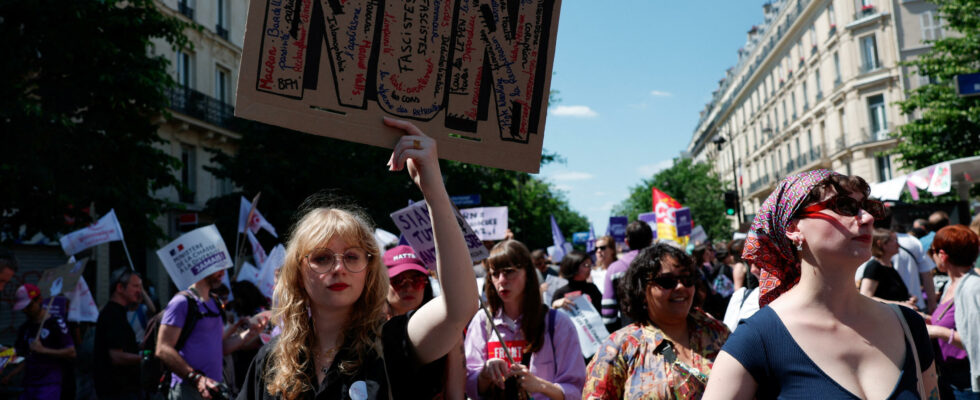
x: 80, y: 101
x: 288, y: 166
x: 944, y: 126
x: 695, y: 186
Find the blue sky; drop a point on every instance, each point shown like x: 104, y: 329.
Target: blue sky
x: 633, y: 76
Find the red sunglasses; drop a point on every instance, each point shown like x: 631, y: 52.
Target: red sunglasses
x: 846, y: 206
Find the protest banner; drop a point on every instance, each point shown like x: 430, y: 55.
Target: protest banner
x: 682, y: 221
x: 106, y: 229
x: 590, y: 240
x: 617, y: 228
x: 416, y: 227
x: 251, y: 217
x: 258, y: 253
x: 474, y: 75
x: 267, y: 274
x: 248, y: 273
x: 489, y: 223
x: 664, y: 207
x: 195, y: 255
x: 81, y: 305
x: 62, y: 278
x: 588, y: 324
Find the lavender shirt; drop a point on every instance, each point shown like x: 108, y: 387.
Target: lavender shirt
x: 610, y: 303
x: 949, y: 352
x: 203, y: 349
x: 564, y: 366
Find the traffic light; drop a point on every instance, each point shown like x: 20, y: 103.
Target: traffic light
x: 731, y: 202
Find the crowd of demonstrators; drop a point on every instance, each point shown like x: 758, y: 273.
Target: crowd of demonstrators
x: 809, y: 237
x: 605, y: 255
x: 954, y: 322
x: 668, y: 349
x: 336, y: 341
x: 116, y: 371
x: 716, y: 276
x: 638, y: 236
x: 745, y: 301
x: 576, y: 267
x: 542, y: 343
x: 47, y: 347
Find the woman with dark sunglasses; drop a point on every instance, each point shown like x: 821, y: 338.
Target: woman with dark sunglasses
x: 667, y: 352
x: 816, y: 335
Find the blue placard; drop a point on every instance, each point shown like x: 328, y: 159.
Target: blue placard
x: 682, y: 216
x: 466, y: 200
x: 580, y: 237
x: 617, y: 228
x: 968, y: 84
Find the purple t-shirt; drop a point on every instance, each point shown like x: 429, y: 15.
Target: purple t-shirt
x: 610, y: 301
x: 948, y: 351
x: 203, y: 348
x: 43, y: 369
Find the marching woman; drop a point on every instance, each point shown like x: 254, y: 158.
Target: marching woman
x: 819, y: 336
x: 330, y: 297
x: 543, y: 343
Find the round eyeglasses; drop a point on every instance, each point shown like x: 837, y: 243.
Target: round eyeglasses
x: 354, y: 259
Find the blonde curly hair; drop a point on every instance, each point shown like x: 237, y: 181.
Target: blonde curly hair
x: 288, y: 361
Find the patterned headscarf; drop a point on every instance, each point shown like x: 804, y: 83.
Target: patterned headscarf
x: 767, y: 245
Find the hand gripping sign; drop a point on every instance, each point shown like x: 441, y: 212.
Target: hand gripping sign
x: 473, y: 74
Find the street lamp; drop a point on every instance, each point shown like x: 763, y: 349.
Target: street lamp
x: 718, y: 141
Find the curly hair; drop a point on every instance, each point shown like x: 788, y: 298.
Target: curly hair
x: 645, y: 267
x: 511, y: 253
x: 290, y: 357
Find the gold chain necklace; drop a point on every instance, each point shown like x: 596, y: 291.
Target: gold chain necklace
x: 326, y: 358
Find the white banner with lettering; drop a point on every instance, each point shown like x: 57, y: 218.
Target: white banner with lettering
x: 195, y: 255
x: 106, y: 229
x: 588, y: 324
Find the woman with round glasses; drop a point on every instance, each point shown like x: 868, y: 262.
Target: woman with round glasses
x: 667, y: 352
x: 816, y: 335
x: 542, y: 343
x: 954, y: 322
x: 330, y: 299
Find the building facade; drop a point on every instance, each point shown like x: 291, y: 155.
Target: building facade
x: 815, y: 87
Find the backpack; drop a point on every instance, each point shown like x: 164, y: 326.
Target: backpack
x: 154, y: 375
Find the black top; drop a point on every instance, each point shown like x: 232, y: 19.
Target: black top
x: 408, y: 380
x: 782, y: 370
x: 587, y: 288
x: 890, y: 285
x: 112, y: 331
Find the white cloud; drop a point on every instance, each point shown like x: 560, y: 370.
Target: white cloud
x: 651, y: 169
x: 574, y: 111
x: 571, y: 176
x: 660, y: 93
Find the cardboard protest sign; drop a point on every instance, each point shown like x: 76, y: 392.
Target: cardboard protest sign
x: 473, y: 74
x: 106, y: 229
x: 588, y: 324
x: 414, y: 223
x: 489, y: 223
x: 195, y: 255
x: 698, y: 235
x: 62, y: 278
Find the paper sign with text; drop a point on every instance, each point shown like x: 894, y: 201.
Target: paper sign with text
x: 414, y: 224
x: 489, y: 223
x: 473, y: 74
x: 62, y: 278
x: 195, y: 255
x: 588, y: 324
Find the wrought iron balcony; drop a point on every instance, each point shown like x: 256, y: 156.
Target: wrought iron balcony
x: 201, y: 106
x: 221, y: 31
x: 841, y: 142
x: 815, y: 152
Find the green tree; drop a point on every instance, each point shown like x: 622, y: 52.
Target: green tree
x: 944, y: 126
x: 288, y: 166
x: 695, y: 186
x: 80, y: 101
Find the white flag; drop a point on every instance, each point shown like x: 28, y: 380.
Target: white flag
x: 106, y: 229
x: 257, y: 222
x: 257, y: 251
x: 81, y: 305
x: 195, y: 255
x: 267, y: 276
x: 249, y: 273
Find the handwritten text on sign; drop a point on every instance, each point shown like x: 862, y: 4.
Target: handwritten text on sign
x: 459, y: 63
x: 489, y: 223
x: 414, y: 223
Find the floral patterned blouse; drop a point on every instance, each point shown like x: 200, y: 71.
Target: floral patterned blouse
x: 634, y: 362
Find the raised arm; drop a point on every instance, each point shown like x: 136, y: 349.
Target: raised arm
x: 438, y: 325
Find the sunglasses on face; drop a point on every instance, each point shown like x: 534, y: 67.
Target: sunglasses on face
x: 670, y: 281
x: 846, y: 206
x: 413, y: 282
x: 603, y: 247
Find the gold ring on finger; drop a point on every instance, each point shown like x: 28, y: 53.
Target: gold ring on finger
x: 416, y: 144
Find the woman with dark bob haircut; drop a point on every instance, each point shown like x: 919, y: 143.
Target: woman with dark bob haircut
x: 816, y: 335
x: 576, y: 268
x: 668, y: 350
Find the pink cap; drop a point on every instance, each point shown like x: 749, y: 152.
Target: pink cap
x: 402, y: 258
x: 25, y: 294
